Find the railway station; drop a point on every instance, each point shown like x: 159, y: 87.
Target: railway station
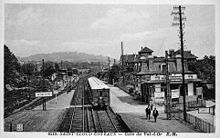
x: 92, y: 106
x: 107, y: 69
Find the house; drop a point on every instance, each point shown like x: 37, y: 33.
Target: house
x: 149, y: 78
x: 152, y: 79
x: 129, y: 62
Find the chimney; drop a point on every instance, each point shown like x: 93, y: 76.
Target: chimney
x: 171, y: 51
x: 142, y: 48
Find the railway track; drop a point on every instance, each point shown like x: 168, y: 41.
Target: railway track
x: 78, y: 97
x: 79, y: 119
x: 105, y: 122
x: 82, y: 118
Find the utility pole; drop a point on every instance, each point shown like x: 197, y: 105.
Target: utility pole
x: 122, y: 60
x: 83, y: 103
x: 44, y: 101
x: 168, y: 92
x: 29, y: 74
x: 109, y: 69
x: 182, y: 60
x: 179, y: 16
x: 109, y: 61
x: 61, y: 64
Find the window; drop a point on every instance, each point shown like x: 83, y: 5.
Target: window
x: 163, y: 67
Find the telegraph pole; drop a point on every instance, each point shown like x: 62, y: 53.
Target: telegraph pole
x: 182, y: 60
x: 83, y: 103
x: 44, y: 101
x: 29, y: 74
x: 109, y: 61
x: 122, y: 59
x: 179, y: 17
x: 109, y: 69
x: 168, y: 92
x: 61, y: 64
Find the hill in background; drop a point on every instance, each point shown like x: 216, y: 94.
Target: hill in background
x: 66, y: 56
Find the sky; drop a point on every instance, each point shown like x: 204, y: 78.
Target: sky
x: 99, y: 29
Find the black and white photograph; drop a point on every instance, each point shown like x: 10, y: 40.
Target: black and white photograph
x: 109, y: 69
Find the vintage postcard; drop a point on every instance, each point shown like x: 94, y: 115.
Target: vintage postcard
x: 107, y: 68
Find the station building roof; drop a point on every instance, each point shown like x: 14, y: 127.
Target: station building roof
x: 145, y: 50
x: 187, y: 54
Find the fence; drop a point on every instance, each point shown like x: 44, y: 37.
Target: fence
x: 197, y: 123
x: 200, y: 124
x: 198, y: 103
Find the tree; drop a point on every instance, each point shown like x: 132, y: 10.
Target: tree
x: 28, y: 68
x: 204, y: 68
x: 114, y: 73
x: 57, y: 66
x: 11, y: 67
x: 49, y: 69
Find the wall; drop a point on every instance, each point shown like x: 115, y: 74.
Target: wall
x: 190, y: 89
x: 144, y: 67
x: 151, y: 64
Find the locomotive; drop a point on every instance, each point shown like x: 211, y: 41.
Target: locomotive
x: 100, y: 97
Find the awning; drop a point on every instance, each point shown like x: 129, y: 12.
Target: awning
x: 171, y: 82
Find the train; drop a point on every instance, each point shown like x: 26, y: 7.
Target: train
x: 100, y: 96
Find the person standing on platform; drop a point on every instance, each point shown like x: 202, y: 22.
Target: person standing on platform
x: 146, y: 110
x: 149, y: 112
x: 155, y: 114
x: 151, y: 107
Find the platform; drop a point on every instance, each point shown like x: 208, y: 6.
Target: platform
x: 37, y: 120
x: 134, y: 116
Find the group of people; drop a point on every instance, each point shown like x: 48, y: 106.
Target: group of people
x: 148, y: 112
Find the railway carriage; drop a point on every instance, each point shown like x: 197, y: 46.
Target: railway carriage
x: 100, y: 97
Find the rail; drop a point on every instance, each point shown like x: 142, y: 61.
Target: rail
x: 111, y: 121
x: 94, y: 120
x: 71, y: 122
x: 88, y: 120
x: 99, y: 121
x: 120, y: 120
x: 80, y: 117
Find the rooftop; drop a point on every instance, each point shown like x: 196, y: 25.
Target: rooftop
x: 145, y: 50
x: 128, y: 57
x: 95, y: 83
x: 187, y: 54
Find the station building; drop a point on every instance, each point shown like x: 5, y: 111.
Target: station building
x: 150, y: 78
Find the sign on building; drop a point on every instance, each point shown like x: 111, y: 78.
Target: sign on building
x: 157, y: 88
x: 43, y: 94
x: 204, y: 110
x: 199, y: 90
x: 175, y: 93
x: 159, y: 96
x: 174, y: 77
